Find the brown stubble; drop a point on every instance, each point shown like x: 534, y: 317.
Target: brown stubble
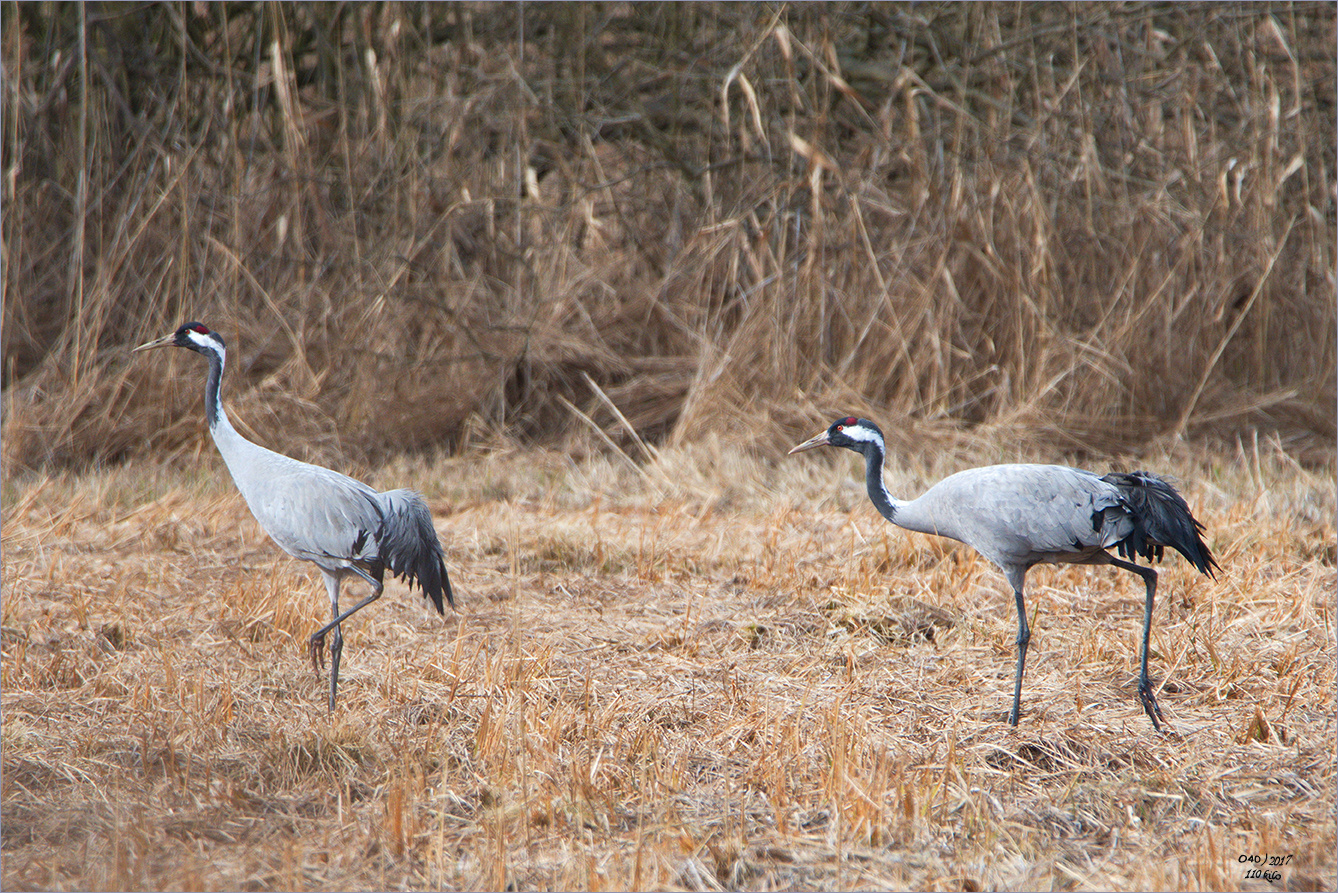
x: 743, y: 679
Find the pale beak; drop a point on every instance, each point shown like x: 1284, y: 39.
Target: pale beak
x: 811, y: 444
x: 157, y: 342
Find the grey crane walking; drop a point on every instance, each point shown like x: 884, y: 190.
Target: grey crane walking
x: 1019, y: 516
x: 339, y: 524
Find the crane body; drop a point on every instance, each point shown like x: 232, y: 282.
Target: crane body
x: 344, y: 527
x: 1018, y: 516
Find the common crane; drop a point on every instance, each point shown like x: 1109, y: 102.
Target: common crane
x: 339, y: 524
x: 1019, y: 516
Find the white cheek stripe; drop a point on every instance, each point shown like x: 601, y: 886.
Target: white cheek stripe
x: 207, y: 342
x: 859, y: 432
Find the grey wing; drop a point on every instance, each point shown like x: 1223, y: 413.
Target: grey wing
x: 320, y: 515
x: 1022, y: 514
x: 1072, y: 512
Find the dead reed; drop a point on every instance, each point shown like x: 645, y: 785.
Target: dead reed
x: 1088, y: 226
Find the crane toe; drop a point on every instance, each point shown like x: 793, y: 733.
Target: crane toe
x: 316, y: 649
x: 1150, y: 706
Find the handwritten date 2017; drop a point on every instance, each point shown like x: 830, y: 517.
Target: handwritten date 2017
x: 1263, y: 863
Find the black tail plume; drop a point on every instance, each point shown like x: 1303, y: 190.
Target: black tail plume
x: 1161, y: 518
x: 410, y: 548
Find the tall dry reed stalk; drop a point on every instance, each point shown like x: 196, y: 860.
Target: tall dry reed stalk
x: 1083, y: 227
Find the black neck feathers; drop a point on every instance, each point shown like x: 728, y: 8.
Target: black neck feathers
x: 873, y: 479
x: 213, y: 406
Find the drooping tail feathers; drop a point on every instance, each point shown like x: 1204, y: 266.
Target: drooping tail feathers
x: 409, y: 545
x: 1161, y: 518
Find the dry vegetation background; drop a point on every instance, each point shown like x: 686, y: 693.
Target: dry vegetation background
x: 1082, y: 225
x: 582, y: 290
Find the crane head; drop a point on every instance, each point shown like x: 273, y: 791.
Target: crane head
x: 192, y: 335
x: 849, y: 432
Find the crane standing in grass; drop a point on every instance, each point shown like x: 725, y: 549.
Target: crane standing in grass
x: 339, y: 524
x: 1019, y: 516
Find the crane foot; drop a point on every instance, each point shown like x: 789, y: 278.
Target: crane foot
x: 1150, y: 706
x: 316, y: 648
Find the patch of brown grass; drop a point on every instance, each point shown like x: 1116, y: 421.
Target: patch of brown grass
x: 712, y: 672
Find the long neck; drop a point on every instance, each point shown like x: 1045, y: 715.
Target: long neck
x: 230, y: 444
x: 886, y: 504
x: 213, y: 404
x: 249, y: 463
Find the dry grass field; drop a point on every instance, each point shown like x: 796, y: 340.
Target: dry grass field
x: 709, y: 672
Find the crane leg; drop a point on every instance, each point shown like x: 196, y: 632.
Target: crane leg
x: 317, y: 642
x: 336, y: 649
x: 316, y: 645
x: 1023, y: 639
x: 1145, y: 693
